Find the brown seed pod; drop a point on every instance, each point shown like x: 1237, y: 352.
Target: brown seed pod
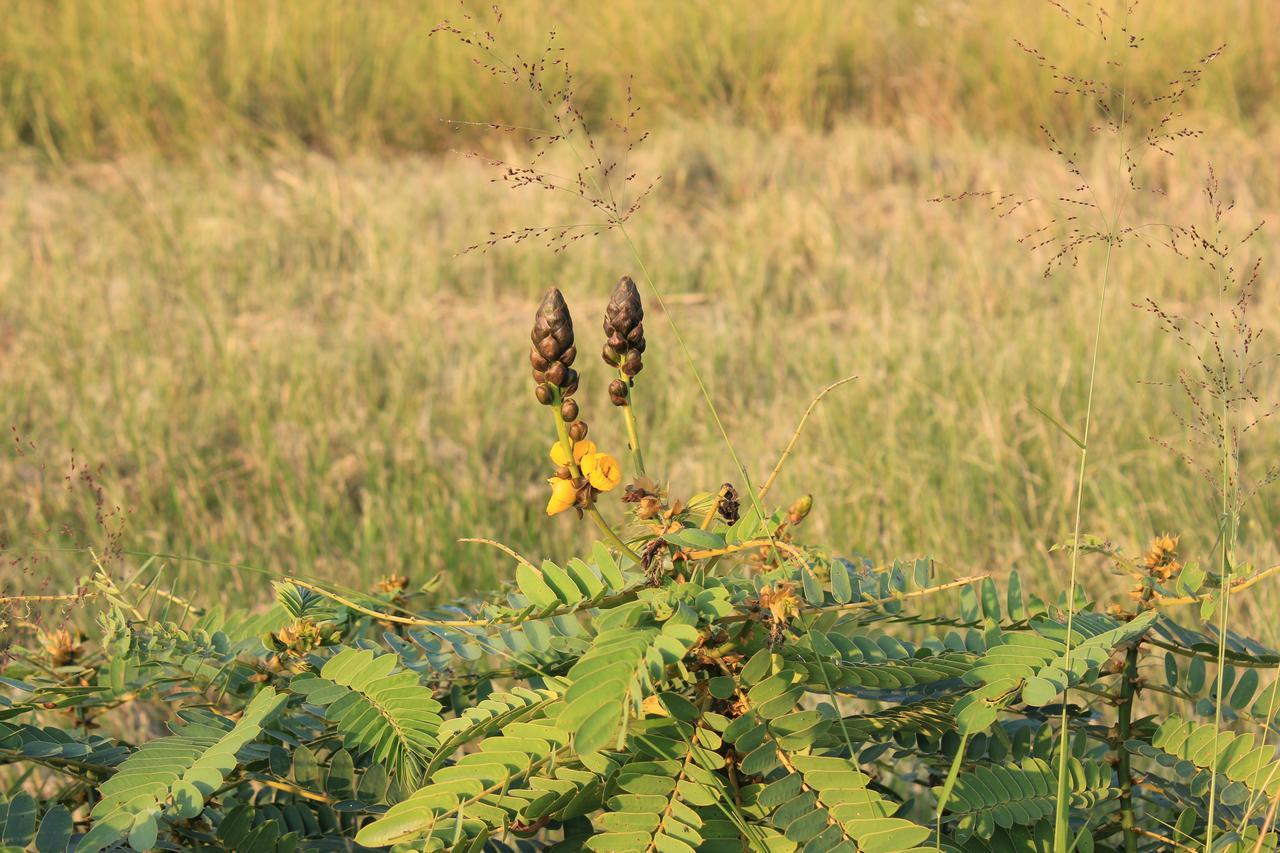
x: 544, y: 395
x: 624, y: 326
x: 632, y: 364
x: 729, y: 507
x: 569, y: 411
x: 578, y: 430
x: 553, y: 351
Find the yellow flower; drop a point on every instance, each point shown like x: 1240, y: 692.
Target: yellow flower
x: 563, y: 495
x: 601, y: 470
x: 580, y: 449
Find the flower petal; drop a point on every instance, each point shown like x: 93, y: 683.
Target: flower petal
x: 558, y: 454
x: 563, y: 495
x: 602, y: 471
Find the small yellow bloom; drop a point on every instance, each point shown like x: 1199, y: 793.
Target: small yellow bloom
x: 601, y: 470
x: 580, y: 449
x: 563, y: 495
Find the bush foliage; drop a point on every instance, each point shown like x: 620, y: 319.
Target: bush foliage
x: 733, y: 690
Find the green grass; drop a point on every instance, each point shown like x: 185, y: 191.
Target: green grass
x: 280, y: 362
x: 88, y: 79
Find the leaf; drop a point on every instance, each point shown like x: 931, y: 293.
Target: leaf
x: 144, y: 831
x: 695, y: 538
x: 54, y: 834
x: 534, y: 587
x: 200, y: 752
x: 17, y: 820
x: 1058, y: 424
x: 379, y: 710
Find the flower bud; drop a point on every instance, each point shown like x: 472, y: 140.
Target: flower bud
x: 618, y: 392
x: 578, y: 430
x: 544, y: 395
x: 569, y: 411
x: 797, y: 512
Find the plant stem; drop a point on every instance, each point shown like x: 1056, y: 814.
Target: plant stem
x: 562, y: 434
x: 610, y: 535
x: 1060, y: 831
x: 1061, y: 817
x: 633, y: 435
x: 1128, y: 690
x: 1227, y: 536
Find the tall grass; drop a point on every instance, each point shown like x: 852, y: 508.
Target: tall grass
x: 278, y: 362
x: 87, y: 79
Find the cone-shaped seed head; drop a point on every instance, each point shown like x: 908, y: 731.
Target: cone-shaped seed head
x: 553, y: 350
x: 623, y: 323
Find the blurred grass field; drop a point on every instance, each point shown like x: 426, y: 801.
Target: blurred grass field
x: 229, y: 283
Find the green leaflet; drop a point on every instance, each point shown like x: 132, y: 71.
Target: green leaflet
x: 378, y: 711
x: 1039, y: 660
x: 1238, y: 757
x: 487, y: 716
x: 503, y: 782
x: 621, y: 665
x: 830, y: 807
x: 1003, y: 797
x: 672, y: 776
x: 194, y: 760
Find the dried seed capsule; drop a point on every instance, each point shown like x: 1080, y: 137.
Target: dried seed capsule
x: 729, y: 508
x: 544, y: 395
x: 623, y: 325
x: 578, y: 430
x: 569, y: 410
x: 632, y: 364
x: 552, y: 336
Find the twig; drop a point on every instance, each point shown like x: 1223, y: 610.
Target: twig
x: 795, y: 436
x: 1234, y: 587
x: 505, y: 549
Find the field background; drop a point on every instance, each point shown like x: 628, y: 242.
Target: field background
x: 229, y: 283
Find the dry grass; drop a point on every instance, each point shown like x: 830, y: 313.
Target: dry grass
x: 88, y: 79
x: 281, y: 363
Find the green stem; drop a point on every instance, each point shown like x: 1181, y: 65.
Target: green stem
x: 562, y: 434
x: 1062, y: 808
x: 1227, y: 536
x: 610, y: 535
x: 633, y: 435
x: 1128, y: 690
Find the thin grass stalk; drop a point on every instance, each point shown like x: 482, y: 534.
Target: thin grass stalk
x: 1230, y: 511
x: 1062, y: 806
